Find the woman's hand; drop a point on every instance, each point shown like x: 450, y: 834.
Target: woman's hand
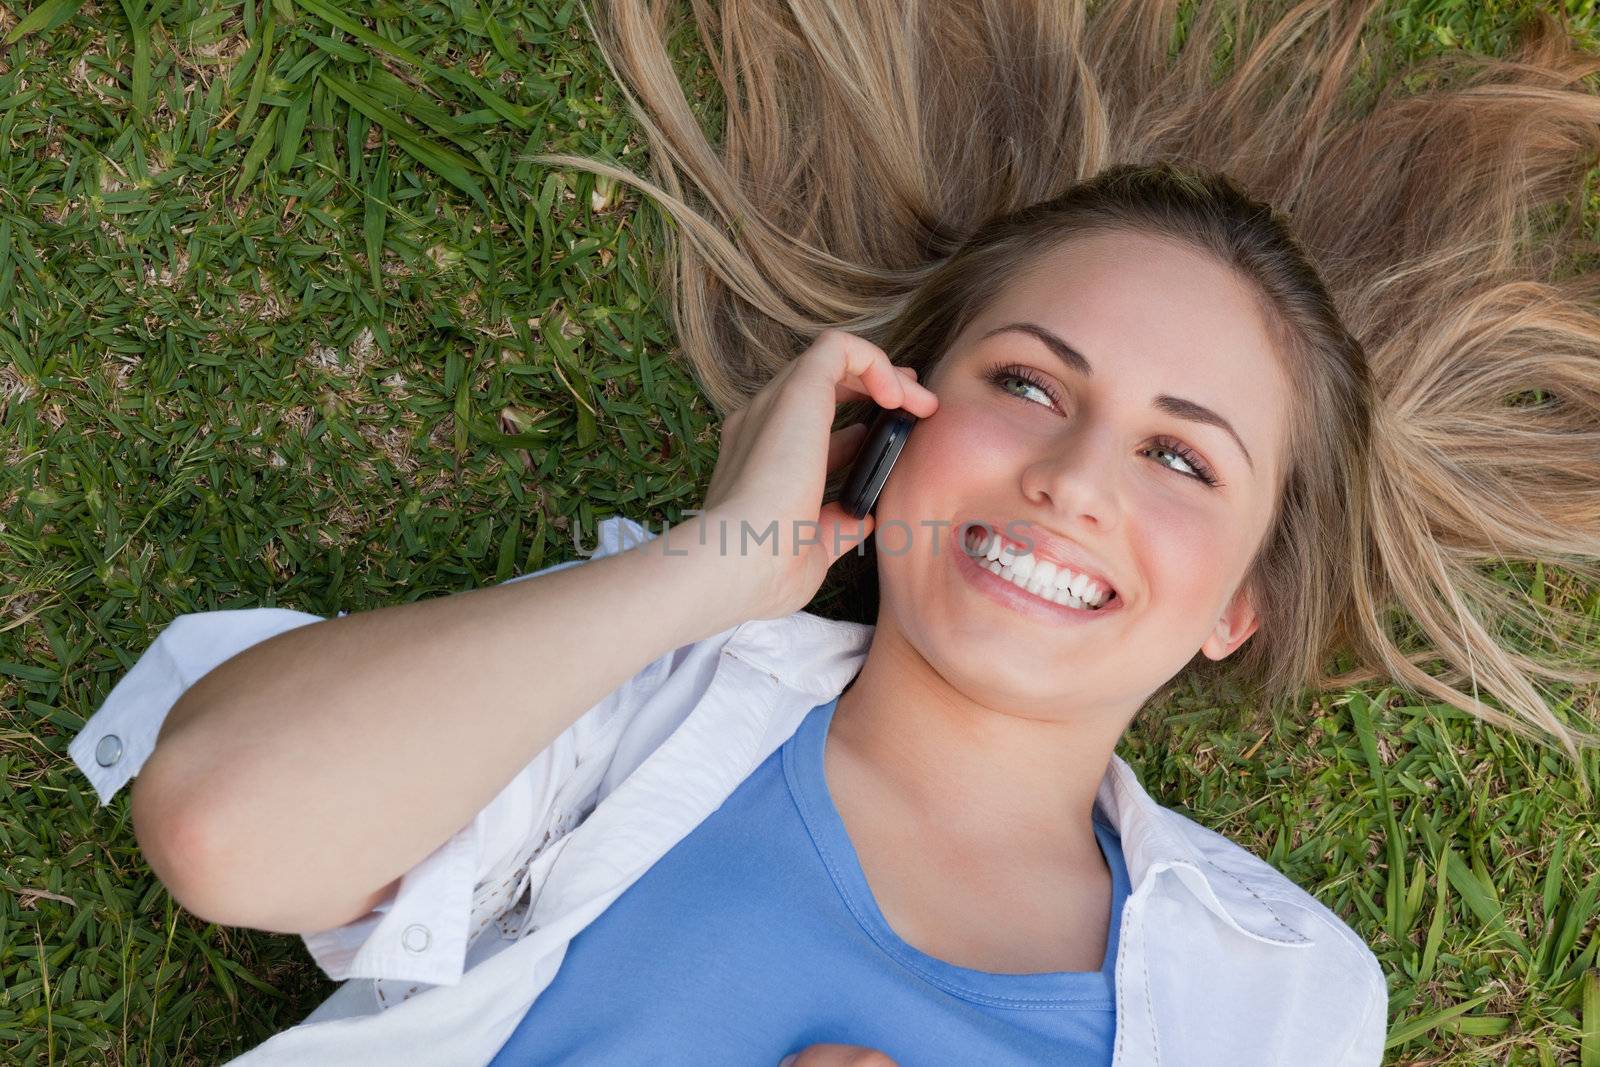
x: 775, y: 458
x: 831, y: 1055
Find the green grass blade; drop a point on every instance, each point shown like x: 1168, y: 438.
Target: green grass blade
x: 258, y: 83
x: 139, y: 30
x: 44, y: 18
x: 1577, y: 916
x: 1480, y: 899
x: 1394, y: 892
x: 259, y: 148
x: 448, y: 164
x: 1424, y: 1023
x: 1441, y: 909
x: 372, y: 225
x: 1590, y: 1054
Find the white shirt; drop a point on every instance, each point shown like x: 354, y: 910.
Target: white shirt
x: 1221, y: 960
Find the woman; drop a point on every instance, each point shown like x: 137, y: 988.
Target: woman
x: 749, y: 832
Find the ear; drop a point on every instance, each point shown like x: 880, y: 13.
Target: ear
x: 1237, y: 623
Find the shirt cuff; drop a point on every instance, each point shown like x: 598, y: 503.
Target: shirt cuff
x: 115, y: 742
x: 420, y: 933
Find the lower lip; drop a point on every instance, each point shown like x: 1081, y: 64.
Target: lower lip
x: 1017, y: 598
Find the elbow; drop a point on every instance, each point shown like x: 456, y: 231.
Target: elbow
x: 178, y: 837
x: 176, y: 824
x: 173, y: 841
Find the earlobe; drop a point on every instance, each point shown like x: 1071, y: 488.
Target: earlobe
x: 1234, y: 626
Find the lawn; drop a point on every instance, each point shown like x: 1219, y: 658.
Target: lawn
x: 288, y: 317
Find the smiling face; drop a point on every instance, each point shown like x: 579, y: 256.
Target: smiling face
x: 1083, y: 459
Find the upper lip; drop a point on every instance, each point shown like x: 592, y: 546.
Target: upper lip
x: 1051, y: 546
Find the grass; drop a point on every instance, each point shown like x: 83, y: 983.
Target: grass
x: 290, y: 319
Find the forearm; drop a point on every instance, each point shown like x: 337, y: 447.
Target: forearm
x: 319, y: 765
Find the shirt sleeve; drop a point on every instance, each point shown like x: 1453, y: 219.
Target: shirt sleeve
x: 420, y: 933
x: 114, y: 744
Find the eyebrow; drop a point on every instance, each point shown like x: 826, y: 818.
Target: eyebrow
x: 1175, y: 406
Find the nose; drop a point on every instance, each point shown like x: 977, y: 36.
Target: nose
x: 1075, y: 479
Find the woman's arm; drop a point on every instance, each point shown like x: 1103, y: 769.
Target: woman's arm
x: 294, y: 784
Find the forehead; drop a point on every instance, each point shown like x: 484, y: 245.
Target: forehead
x: 1140, y: 303
x: 1150, y: 315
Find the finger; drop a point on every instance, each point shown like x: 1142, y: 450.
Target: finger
x: 878, y: 373
x: 845, y: 443
x: 912, y: 396
x: 858, y: 367
x: 868, y: 370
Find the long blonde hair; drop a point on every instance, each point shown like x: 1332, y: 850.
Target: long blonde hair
x: 886, y: 165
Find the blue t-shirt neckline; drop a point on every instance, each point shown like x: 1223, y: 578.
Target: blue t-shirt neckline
x: 1083, y: 990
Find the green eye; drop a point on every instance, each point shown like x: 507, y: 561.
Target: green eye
x: 998, y: 376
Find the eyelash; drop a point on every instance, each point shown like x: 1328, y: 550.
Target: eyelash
x: 996, y: 375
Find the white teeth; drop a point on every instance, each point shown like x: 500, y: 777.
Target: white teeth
x: 1022, y: 567
x: 1043, y: 578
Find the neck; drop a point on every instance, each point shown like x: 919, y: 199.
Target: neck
x: 982, y: 768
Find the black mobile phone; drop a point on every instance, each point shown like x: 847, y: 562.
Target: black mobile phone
x: 870, y: 469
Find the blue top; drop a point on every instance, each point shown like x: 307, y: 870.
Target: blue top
x: 757, y: 935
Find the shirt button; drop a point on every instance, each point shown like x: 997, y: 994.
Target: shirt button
x: 416, y: 938
x: 109, y: 750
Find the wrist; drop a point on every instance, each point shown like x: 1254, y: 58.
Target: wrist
x: 701, y: 566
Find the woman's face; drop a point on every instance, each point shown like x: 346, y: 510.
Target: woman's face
x: 1097, y: 470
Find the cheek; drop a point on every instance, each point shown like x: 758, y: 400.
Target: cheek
x: 963, y: 441
x: 949, y: 463
x: 1188, y: 556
